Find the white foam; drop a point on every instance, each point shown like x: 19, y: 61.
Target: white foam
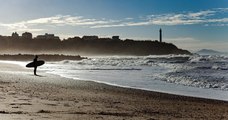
x: 199, y: 76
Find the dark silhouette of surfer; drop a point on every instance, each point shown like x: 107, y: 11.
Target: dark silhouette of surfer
x: 35, y: 62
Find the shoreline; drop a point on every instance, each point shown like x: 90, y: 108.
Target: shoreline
x: 25, y: 96
x: 147, y: 90
x: 162, y: 91
x: 137, y: 88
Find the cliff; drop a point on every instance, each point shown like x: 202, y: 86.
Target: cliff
x: 96, y: 46
x: 127, y: 47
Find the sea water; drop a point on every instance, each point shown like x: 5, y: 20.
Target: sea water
x: 188, y: 75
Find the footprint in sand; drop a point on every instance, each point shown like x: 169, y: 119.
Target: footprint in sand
x: 20, y: 104
x: 50, y: 104
x: 2, y: 98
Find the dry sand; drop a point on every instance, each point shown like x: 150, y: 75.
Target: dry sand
x: 27, y: 97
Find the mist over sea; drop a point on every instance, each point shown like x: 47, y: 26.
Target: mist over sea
x: 190, y: 75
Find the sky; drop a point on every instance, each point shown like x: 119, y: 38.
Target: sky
x: 189, y: 24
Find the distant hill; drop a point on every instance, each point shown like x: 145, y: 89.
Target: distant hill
x: 87, y: 45
x: 209, y: 52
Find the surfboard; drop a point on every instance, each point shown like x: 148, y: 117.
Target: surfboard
x: 38, y: 63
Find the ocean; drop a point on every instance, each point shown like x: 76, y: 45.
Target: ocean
x: 189, y: 75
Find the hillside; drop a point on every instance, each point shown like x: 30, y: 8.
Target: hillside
x: 209, y: 52
x: 75, y: 46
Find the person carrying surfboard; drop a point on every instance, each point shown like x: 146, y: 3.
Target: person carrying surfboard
x: 35, y: 62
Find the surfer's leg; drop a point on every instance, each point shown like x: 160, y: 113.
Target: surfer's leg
x: 35, y: 70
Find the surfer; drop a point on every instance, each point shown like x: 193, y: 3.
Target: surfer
x: 35, y: 61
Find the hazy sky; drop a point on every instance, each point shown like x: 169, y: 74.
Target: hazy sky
x: 190, y: 24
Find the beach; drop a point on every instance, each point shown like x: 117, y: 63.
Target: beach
x: 28, y: 97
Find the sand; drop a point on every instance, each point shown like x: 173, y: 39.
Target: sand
x: 24, y: 96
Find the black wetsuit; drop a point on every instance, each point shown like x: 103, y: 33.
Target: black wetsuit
x: 35, y: 67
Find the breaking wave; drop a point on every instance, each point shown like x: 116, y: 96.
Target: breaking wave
x: 189, y: 70
x: 203, y: 72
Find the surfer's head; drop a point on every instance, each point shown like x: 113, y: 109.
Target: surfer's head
x: 36, y: 56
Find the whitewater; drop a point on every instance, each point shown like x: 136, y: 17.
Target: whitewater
x: 189, y: 75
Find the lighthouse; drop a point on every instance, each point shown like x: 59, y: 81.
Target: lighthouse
x: 160, y: 33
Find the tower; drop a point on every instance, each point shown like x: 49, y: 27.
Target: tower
x: 160, y: 37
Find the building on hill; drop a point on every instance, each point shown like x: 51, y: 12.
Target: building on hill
x: 15, y: 35
x: 27, y: 35
x: 90, y: 37
x: 48, y: 36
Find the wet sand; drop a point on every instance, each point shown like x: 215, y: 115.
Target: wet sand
x: 25, y: 96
